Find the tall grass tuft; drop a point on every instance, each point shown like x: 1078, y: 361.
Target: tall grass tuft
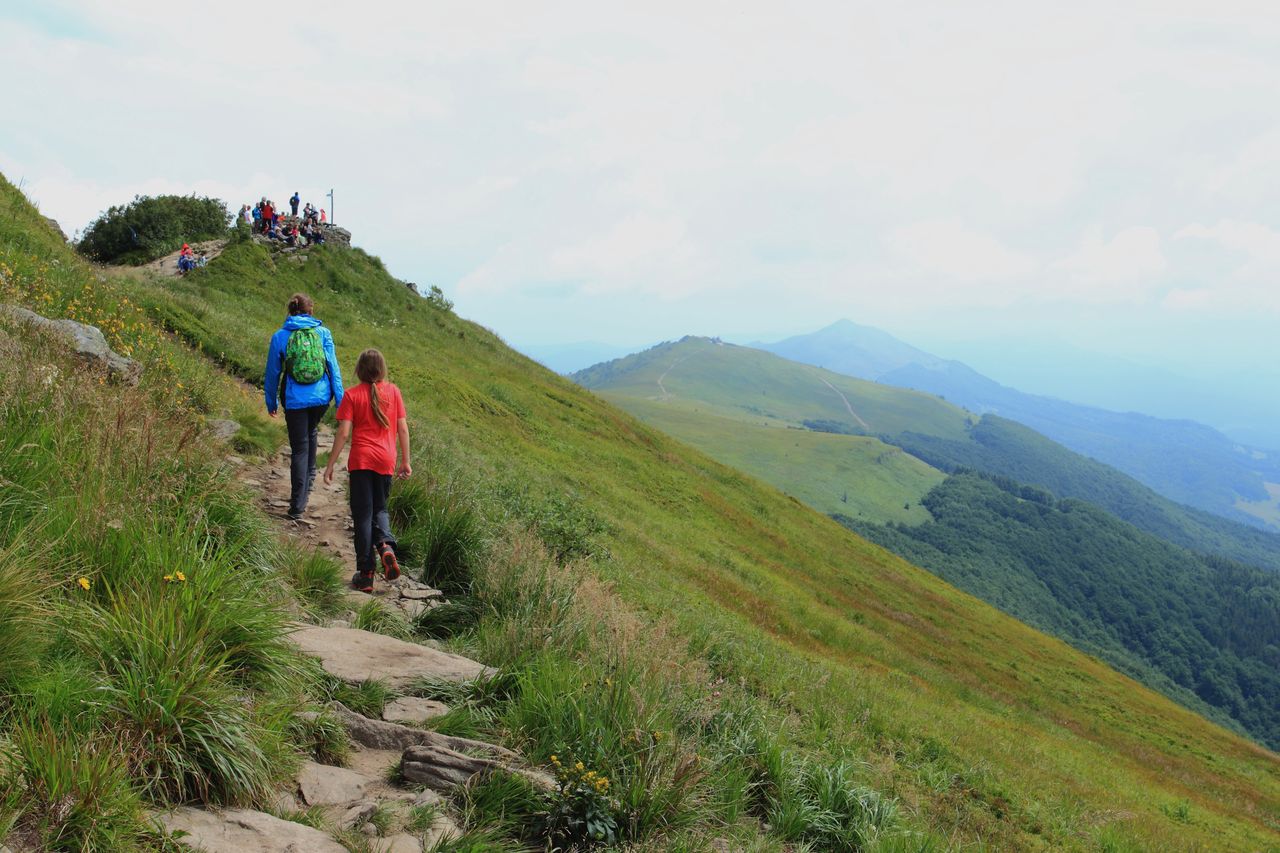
x: 316, y: 579
x: 441, y: 534
x: 23, y: 620
x: 379, y: 618
x: 67, y: 793
x: 186, y: 732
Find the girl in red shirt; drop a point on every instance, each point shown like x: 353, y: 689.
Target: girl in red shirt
x: 372, y: 416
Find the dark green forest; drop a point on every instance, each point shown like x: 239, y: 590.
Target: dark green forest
x: 1204, y: 630
x: 1002, y: 447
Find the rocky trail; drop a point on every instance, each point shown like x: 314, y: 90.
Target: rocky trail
x: 423, y: 764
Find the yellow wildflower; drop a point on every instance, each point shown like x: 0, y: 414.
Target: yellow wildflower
x: 180, y: 576
x: 85, y: 583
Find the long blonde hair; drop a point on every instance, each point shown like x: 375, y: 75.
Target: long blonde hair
x: 371, y: 367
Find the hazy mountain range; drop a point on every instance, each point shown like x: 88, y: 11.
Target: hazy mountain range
x: 1183, y: 460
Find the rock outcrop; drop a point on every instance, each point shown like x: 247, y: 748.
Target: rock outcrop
x: 85, y: 341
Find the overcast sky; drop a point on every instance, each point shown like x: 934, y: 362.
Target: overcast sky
x: 1100, y: 173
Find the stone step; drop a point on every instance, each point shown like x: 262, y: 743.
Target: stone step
x: 245, y: 831
x: 356, y: 656
x: 411, y: 709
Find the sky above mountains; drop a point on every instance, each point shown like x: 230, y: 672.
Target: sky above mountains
x: 1099, y: 176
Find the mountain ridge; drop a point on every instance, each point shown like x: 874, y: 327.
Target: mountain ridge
x: 1184, y: 460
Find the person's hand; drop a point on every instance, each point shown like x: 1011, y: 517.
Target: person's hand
x: 404, y: 471
x: 274, y: 414
x: 328, y: 474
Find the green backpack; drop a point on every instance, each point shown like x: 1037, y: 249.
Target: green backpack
x: 304, y: 360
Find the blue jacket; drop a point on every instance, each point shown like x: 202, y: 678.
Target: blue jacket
x: 318, y: 393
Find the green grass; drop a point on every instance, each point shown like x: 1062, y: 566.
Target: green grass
x: 755, y: 386
x: 704, y: 588
x: 858, y: 476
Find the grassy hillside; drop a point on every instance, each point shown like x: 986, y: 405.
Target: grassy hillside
x: 855, y: 475
x: 1182, y: 460
x: 1033, y: 571
x: 1203, y: 630
x: 985, y: 733
x: 756, y: 386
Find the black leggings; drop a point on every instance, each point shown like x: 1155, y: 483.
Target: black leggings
x: 303, y: 425
x: 369, y: 491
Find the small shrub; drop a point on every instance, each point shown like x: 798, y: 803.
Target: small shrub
x: 580, y: 811
x: 150, y: 227
x: 436, y: 299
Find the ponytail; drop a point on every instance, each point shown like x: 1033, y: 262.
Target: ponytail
x: 371, y: 367
x: 377, y: 405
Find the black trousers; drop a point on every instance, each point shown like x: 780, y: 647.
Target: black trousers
x: 369, y: 491
x: 303, y: 426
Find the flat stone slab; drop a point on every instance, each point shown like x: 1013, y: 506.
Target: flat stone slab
x: 401, y: 843
x: 411, y: 709
x: 356, y: 656
x: 246, y: 831
x: 322, y: 785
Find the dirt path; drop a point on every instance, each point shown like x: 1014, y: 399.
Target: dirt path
x: 168, y: 265
x: 666, y: 395
x: 845, y: 399
x: 326, y: 525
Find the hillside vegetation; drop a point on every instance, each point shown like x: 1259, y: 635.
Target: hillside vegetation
x: 1183, y: 461
x: 1000, y: 446
x: 1203, y: 630
x: 856, y: 475
x: 1180, y: 642
x: 845, y: 697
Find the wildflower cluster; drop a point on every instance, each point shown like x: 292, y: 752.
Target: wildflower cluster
x: 176, y: 577
x: 581, y: 811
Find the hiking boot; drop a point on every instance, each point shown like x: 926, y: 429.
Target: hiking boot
x: 390, y: 565
x: 362, y: 581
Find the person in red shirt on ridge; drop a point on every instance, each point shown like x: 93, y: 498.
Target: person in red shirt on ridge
x: 372, y: 415
x: 268, y: 216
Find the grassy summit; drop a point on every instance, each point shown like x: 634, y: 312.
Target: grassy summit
x: 982, y: 730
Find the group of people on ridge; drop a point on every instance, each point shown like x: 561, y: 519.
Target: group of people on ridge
x: 189, y: 260
x: 268, y: 219
x: 302, y: 376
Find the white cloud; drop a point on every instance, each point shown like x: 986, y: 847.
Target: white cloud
x: 1125, y: 267
x: 954, y: 250
x: 1258, y: 244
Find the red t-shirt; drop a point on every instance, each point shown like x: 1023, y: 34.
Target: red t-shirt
x: 373, y: 446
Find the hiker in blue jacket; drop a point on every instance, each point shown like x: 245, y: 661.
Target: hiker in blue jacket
x: 302, y: 372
